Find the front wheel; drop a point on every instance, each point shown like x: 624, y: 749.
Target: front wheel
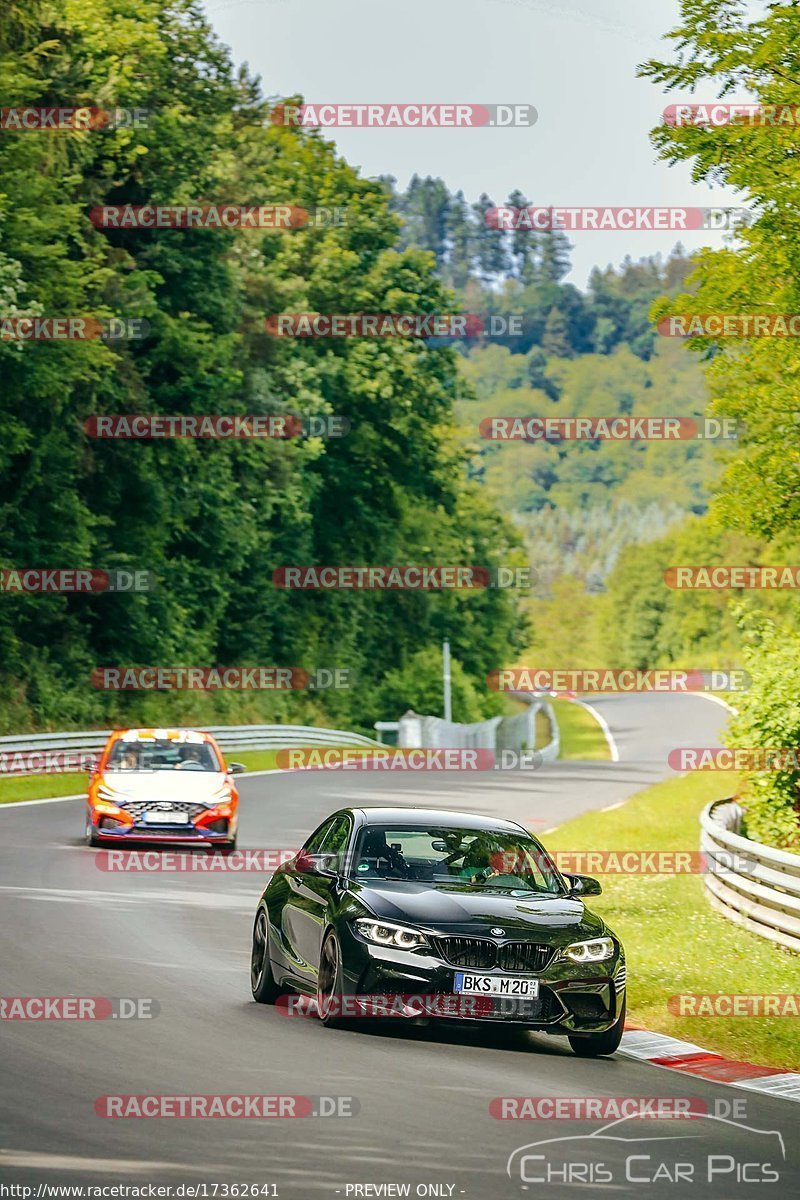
x: 593, y: 1045
x: 91, y: 837
x: 329, y: 983
x: 262, y: 981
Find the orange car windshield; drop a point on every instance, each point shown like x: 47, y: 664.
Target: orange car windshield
x: 166, y: 755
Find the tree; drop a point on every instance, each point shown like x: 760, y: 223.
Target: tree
x: 212, y: 520
x: 490, y: 242
x: 751, y: 380
x: 555, y: 339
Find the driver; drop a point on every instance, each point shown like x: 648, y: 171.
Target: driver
x: 129, y: 759
x: 487, y: 858
x: 189, y: 755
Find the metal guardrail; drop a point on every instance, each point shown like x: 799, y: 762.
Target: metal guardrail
x: 229, y: 737
x: 550, y: 751
x: 516, y: 733
x: 753, y: 885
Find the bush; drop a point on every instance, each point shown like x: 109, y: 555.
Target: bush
x: 418, y: 686
x: 769, y: 718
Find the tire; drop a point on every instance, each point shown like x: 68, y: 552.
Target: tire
x: 262, y: 981
x: 91, y: 837
x: 329, y: 983
x: 594, y: 1045
x: 227, y: 847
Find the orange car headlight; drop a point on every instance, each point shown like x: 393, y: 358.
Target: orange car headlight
x: 104, y: 808
x: 225, y: 809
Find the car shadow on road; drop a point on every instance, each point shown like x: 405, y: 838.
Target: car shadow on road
x: 462, y: 1034
x: 483, y: 1036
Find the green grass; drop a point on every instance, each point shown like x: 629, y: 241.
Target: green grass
x: 675, y: 941
x: 40, y: 787
x: 544, y: 733
x: 255, y: 760
x: 581, y: 735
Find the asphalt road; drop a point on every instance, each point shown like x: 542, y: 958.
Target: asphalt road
x: 423, y: 1094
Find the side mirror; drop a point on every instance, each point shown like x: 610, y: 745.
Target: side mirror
x: 236, y: 768
x: 583, y: 885
x: 326, y: 865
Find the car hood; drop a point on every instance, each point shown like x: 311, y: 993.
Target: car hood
x: 456, y: 911
x: 196, y: 787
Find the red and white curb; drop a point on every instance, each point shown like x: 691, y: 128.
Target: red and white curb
x: 664, y: 1051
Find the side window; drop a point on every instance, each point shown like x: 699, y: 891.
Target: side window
x: 314, y: 843
x: 337, y: 837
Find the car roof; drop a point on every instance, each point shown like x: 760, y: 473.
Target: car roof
x: 192, y: 736
x: 407, y: 815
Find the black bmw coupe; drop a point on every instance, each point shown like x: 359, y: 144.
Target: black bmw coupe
x: 428, y: 913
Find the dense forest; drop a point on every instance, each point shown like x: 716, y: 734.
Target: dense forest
x: 213, y: 519
x: 598, y: 353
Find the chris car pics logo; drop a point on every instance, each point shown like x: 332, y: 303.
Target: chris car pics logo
x: 713, y: 1157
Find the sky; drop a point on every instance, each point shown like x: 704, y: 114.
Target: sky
x: 574, y: 60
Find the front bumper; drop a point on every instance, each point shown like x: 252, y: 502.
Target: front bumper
x: 189, y: 833
x: 573, y: 998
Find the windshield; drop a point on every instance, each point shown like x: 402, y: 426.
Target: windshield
x: 466, y: 858
x: 162, y: 755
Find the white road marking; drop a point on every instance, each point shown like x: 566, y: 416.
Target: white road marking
x: 715, y: 700
x: 72, y: 1162
x: 236, y: 901
x: 786, y: 1086
x: 82, y: 795
x: 49, y: 800
x: 603, y: 723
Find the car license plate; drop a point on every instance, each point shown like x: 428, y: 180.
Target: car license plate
x: 495, y: 985
x: 166, y: 818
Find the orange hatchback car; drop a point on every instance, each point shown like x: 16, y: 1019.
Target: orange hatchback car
x: 164, y: 785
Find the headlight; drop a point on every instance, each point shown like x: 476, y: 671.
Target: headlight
x: 107, y: 793
x: 596, y: 950
x: 385, y: 933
